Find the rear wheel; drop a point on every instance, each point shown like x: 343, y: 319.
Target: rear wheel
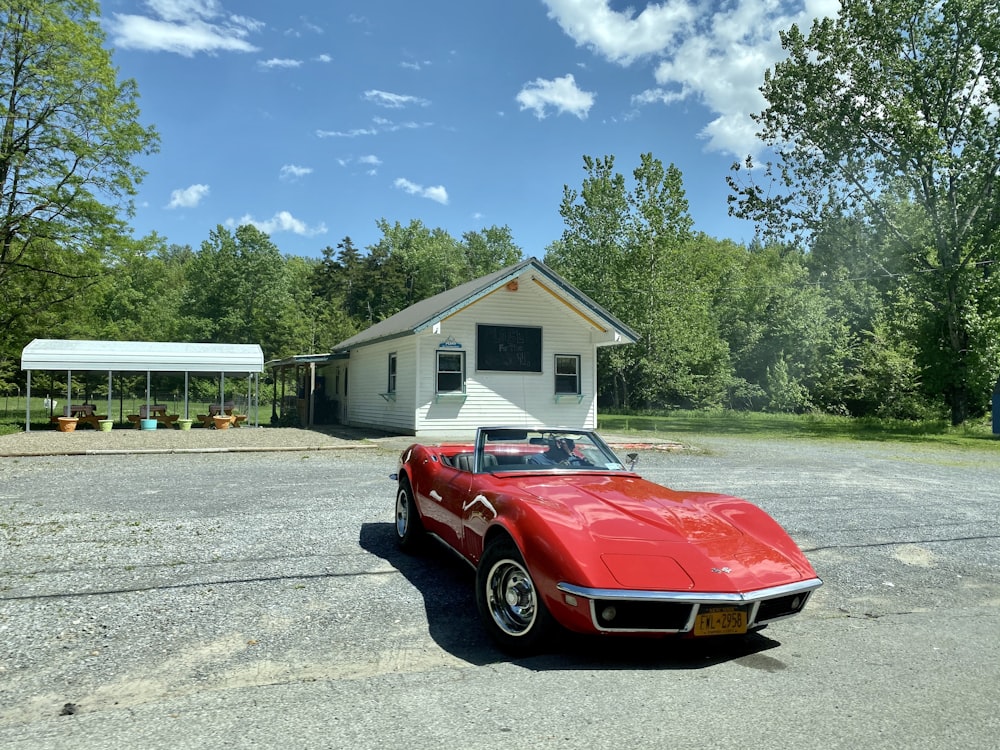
x: 409, y: 528
x: 509, y: 604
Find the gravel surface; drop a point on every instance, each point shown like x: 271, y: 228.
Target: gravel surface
x: 93, y: 442
x: 228, y: 598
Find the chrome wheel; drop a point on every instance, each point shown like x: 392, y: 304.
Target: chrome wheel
x: 511, y: 597
x: 409, y: 527
x: 402, y: 512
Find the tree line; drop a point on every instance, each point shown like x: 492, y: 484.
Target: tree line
x: 872, y: 288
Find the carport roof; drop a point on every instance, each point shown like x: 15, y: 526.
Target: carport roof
x: 141, y: 356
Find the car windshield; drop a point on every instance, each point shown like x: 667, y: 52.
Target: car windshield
x: 500, y: 449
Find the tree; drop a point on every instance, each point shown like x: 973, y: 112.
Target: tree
x: 890, y: 111
x: 69, y: 132
x: 633, y: 252
x: 490, y: 250
x: 237, y: 287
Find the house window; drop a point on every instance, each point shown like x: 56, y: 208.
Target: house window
x: 451, y: 372
x: 391, y: 387
x: 567, y: 374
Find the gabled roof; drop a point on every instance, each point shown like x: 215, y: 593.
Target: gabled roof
x: 426, y: 313
x: 140, y: 356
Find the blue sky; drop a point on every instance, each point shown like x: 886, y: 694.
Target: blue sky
x: 313, y: 120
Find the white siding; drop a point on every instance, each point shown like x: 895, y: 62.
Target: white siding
x: 491, y: 397
x: 509, y: 397
x: 368, y: 369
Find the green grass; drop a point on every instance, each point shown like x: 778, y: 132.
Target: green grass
x: 681, y: 425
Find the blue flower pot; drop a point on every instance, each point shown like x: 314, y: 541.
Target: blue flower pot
x: 147, y: 424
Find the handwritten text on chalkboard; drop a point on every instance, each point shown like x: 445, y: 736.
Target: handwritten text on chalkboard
x: 509, y: 348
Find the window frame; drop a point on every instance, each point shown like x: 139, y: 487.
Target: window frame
x: 557, y: 375
x: 392, y: 373
x: 438, y: 372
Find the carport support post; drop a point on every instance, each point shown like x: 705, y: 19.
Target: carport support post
x: 222, y: 392
x: 185, y: 395
x: 109, y: 394
x: 27, y: 408
x: 312, y: 392
x: 148, y: 404
x: 69, y: 393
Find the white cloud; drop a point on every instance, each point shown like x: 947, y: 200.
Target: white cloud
x: 279, y: 62
x: 291, y: 172
x: 184, y: 27
x: 437, y: 193
x: 283, y: 221
x: 382, y: 125
x: 622, y: 36
x: 345, y: 133
x: 561, y: 94
x: 188, y: 197
x: 324, y: 58
x: 712, y: 53
x: 370, y: 161
x: 393, y: 101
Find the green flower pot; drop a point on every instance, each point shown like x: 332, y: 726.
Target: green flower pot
x: 105, y: 425
x: 184, y: 424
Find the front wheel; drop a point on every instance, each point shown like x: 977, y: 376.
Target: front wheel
x: 509, y: 604
x: 409, y: 528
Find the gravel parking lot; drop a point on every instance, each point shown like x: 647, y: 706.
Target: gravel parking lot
x: 236, y: 598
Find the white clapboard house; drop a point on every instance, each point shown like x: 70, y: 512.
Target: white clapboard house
x: 515, y: 347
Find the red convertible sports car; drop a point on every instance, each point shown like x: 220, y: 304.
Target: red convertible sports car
x: 561, y: 532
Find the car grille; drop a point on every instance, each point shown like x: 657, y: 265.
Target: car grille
x: 620, y: 611
x: 635, y: 615
x: 781, y: 606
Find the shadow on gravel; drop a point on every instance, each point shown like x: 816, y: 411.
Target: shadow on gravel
x: 446, y: 584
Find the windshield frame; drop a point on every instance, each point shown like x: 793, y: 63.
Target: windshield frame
x: 527, y: 449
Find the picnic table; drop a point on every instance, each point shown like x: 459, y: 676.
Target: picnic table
x: 155, y: 411
x: 84, y: 413
x: 216, y: 410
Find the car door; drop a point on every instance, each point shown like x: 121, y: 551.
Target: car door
x: 442, y: 506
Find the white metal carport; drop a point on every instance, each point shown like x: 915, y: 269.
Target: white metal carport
x: 141, y: 356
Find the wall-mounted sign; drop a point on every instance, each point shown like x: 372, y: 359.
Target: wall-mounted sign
x: 509, y: 348
x: 450, y: 343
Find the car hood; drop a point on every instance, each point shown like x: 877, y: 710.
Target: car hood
x: 652, y: 537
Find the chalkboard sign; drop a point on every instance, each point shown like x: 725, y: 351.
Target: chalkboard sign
x: 509, y: 348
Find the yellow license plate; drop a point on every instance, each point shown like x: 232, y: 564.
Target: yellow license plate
x: 721, y: 622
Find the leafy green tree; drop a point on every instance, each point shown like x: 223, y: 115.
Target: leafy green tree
x: 890, y: 111
x: 142, y: 299
x: 236, y: 288
x: 69, y: 134
x: 489, y: 250
x: 632, y: 251
x: 316, y: 318
x: 789, y: 348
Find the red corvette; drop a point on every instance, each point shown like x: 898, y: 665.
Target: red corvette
x: 562, y: 533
